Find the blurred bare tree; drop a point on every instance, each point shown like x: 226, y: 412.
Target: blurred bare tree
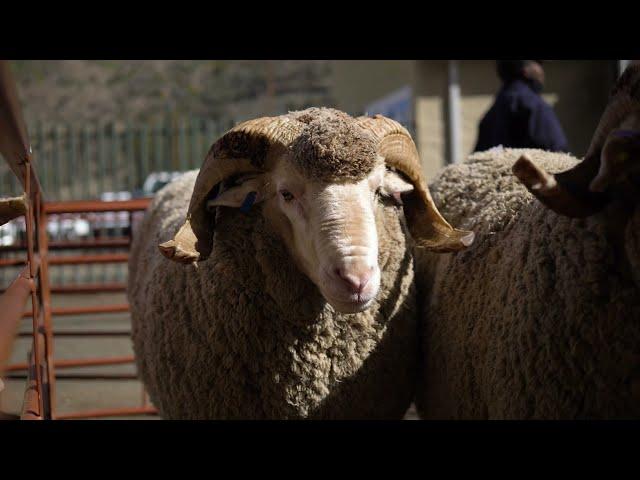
x: 79, y: 91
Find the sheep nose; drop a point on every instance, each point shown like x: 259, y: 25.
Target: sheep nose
x: 354, y: 279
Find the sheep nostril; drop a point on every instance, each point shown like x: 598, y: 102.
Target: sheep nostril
x: 355, y: 281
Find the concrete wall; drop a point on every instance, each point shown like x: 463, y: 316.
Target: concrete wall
x: 582, y: 88
x: 430, y: 113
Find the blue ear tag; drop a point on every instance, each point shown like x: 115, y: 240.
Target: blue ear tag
x: 249, y: 200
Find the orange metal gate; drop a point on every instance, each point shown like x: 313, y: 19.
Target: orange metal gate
x: 33, y: 281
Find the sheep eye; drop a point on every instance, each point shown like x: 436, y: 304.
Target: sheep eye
x: 395, y: 197
x: 286, y: 195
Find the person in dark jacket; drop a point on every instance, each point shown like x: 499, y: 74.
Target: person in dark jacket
x: 519, y: 117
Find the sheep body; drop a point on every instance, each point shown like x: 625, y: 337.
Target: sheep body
x: 539, y: 318
x: 245, y: 335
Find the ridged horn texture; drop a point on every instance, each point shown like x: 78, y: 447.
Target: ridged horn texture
x: 427, y: 226
x: 248, y: 147
x: 568, y: 193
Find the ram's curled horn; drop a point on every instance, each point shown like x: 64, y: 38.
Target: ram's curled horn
x: 614, y: 153
x: 248, y: 147
x: 13, y: 207
x: 426, y: 225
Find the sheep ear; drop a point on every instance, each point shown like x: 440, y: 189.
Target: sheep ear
x: 394, y: 184
x: 248, y: 192
x: 620, y: 159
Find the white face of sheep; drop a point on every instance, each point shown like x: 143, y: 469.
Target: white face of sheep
x: 328, y: 228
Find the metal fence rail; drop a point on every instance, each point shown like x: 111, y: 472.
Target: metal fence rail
x: 33, y: 280
x: 106, y: 162
x: 32, y: 259
x: 19, y: 370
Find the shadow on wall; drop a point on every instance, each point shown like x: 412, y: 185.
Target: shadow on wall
x: 582, y: 89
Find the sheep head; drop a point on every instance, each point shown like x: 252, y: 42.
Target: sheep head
x: 611, y: 165
x: 319, y: 176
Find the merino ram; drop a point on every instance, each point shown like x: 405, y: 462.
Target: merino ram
x: 541, y: 317
x: 303, y: 306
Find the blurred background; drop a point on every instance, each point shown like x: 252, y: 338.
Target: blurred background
x: 112, y: 123
x: 169, y: 94
x: 121, y: 129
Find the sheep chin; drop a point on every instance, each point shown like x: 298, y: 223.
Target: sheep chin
x: 352, y: 306
x: 355, y: 305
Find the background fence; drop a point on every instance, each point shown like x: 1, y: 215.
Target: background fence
x: 83, y: 162
x: 108, y: 162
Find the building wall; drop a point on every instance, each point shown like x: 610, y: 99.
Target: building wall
x: 582, y: 88
x: 430, y: 117
x: 356, y: 83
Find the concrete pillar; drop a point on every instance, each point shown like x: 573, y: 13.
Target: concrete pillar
x: 454, y: 140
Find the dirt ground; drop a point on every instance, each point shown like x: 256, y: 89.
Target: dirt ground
x: 81, y: 395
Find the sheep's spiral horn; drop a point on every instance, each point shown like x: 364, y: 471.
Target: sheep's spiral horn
x: 248, y: 147
x: 613, y: 155
x: 427, y: 226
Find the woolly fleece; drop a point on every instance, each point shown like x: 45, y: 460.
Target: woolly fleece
x: 245, y: 335
x: 539, y: 318
x: 333, y: 147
